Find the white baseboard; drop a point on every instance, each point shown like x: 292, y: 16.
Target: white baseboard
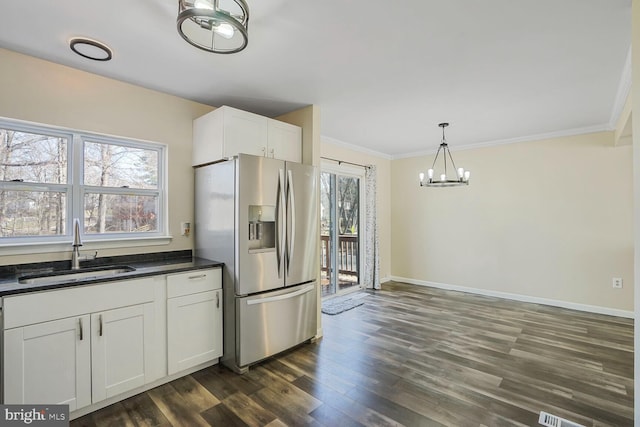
x: 522, y: 298
x: 385, y: 279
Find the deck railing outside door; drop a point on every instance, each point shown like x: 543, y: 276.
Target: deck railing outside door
x: 348, y: 259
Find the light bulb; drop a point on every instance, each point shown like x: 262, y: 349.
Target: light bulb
x: 430, y: 173
x: 224, y: 30
x: 460, y: 173
x: 467, y: 174
x: 421, y: 177
x: 443, y: 177
x: 202, y: 4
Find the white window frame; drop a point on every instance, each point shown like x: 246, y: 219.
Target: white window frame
x: 75, y: 191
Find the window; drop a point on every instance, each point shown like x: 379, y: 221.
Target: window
x: 50, y: 176
x: 120, y: 188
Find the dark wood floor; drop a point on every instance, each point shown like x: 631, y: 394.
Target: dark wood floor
x: 415, y: 356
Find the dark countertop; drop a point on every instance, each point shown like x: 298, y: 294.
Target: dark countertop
x: 145, y: 265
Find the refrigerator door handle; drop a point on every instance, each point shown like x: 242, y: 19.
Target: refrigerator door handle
x: 304, y: 290
x: 280, y: 229
x: 291, y: 212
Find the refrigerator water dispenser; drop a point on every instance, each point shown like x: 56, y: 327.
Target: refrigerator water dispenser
x: 262, y: 228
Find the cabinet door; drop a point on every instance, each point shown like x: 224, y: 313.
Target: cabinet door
x: 244, y: 132
x: 194, y: 329
x: 49, y: 363
x: 121, y: 349
x: 285, y: 141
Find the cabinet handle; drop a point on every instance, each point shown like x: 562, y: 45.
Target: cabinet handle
x: 264, y: 151
x: 217, y: 299
x: 81, y: 333
x: 100, y: 331
x: 199, y: 276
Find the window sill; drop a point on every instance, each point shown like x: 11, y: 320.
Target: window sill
x: 88, y: 245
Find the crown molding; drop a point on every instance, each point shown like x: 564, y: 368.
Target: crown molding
x: 537, y: 137
x: 332, y: 141
x: 624, y: 89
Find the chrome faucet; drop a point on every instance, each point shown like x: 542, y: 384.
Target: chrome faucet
x: 77, y: 242
x: 75, y: 253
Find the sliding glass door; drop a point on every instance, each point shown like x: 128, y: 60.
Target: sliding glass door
x: 340, y: 220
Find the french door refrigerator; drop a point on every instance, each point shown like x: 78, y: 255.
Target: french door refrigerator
x: 259, y: 216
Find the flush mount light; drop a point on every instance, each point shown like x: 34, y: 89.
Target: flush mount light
x: 462, y: 176
x: 90, y: 49
x: 218, y: 26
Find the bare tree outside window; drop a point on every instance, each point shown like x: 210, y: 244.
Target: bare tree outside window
x: 348, y: 200
x: 33, y: 172
x: 108, y: 166
x: 113, y: 185
x: 339, y: 232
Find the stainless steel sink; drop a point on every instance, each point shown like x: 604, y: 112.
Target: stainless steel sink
x: 73, y: 275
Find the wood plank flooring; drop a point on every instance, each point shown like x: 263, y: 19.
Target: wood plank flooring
x: 415, y: 356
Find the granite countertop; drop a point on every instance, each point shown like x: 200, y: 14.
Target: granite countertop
x: 145, y: 265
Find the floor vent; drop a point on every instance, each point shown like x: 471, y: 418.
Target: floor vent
x: 555, y: 421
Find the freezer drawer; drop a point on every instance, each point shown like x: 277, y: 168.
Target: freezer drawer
x: 273, y: 322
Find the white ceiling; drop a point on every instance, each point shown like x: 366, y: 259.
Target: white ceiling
x: 384, y: 74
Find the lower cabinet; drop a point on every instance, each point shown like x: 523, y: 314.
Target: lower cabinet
x: 81, y: 346
x: 120, y: 350
x: 194, y: 319
x: 80, y: 360
x: 49, y: 362
x: 87, y: 344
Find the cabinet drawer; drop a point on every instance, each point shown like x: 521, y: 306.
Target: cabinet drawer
x: 193, y: 282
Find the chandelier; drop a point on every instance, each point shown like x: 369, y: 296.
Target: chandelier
x: 218, y: 26
x: 462, y: 176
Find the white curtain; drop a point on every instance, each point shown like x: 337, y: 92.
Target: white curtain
x: 371, y: 255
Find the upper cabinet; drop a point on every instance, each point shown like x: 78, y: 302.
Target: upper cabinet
x: 284, y: 141
x: 226, y: 132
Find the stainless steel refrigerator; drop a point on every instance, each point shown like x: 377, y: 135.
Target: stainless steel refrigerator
x: 259, y: 216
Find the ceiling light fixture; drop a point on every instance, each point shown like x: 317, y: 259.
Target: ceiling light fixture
x: 208, y: 26
x: 90, y: 49
x: 462, y: 176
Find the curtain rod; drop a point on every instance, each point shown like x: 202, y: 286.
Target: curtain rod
x: 349, y: 163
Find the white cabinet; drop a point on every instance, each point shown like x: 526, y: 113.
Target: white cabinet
x: 49, y: 362
x: 82, y: 345
x: 226, y: 132
x: 120, y: 349
x: 284, y: 141
x: 194, y: 318
x: 88, y: 346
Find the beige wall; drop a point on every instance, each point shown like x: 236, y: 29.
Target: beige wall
x: 43, y: 92
x: 308, y: 118
x: 546, y: 219
x: 383, y: 167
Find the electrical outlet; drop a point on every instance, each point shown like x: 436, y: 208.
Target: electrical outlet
x: 185, y: 228
x: 617, y: 282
